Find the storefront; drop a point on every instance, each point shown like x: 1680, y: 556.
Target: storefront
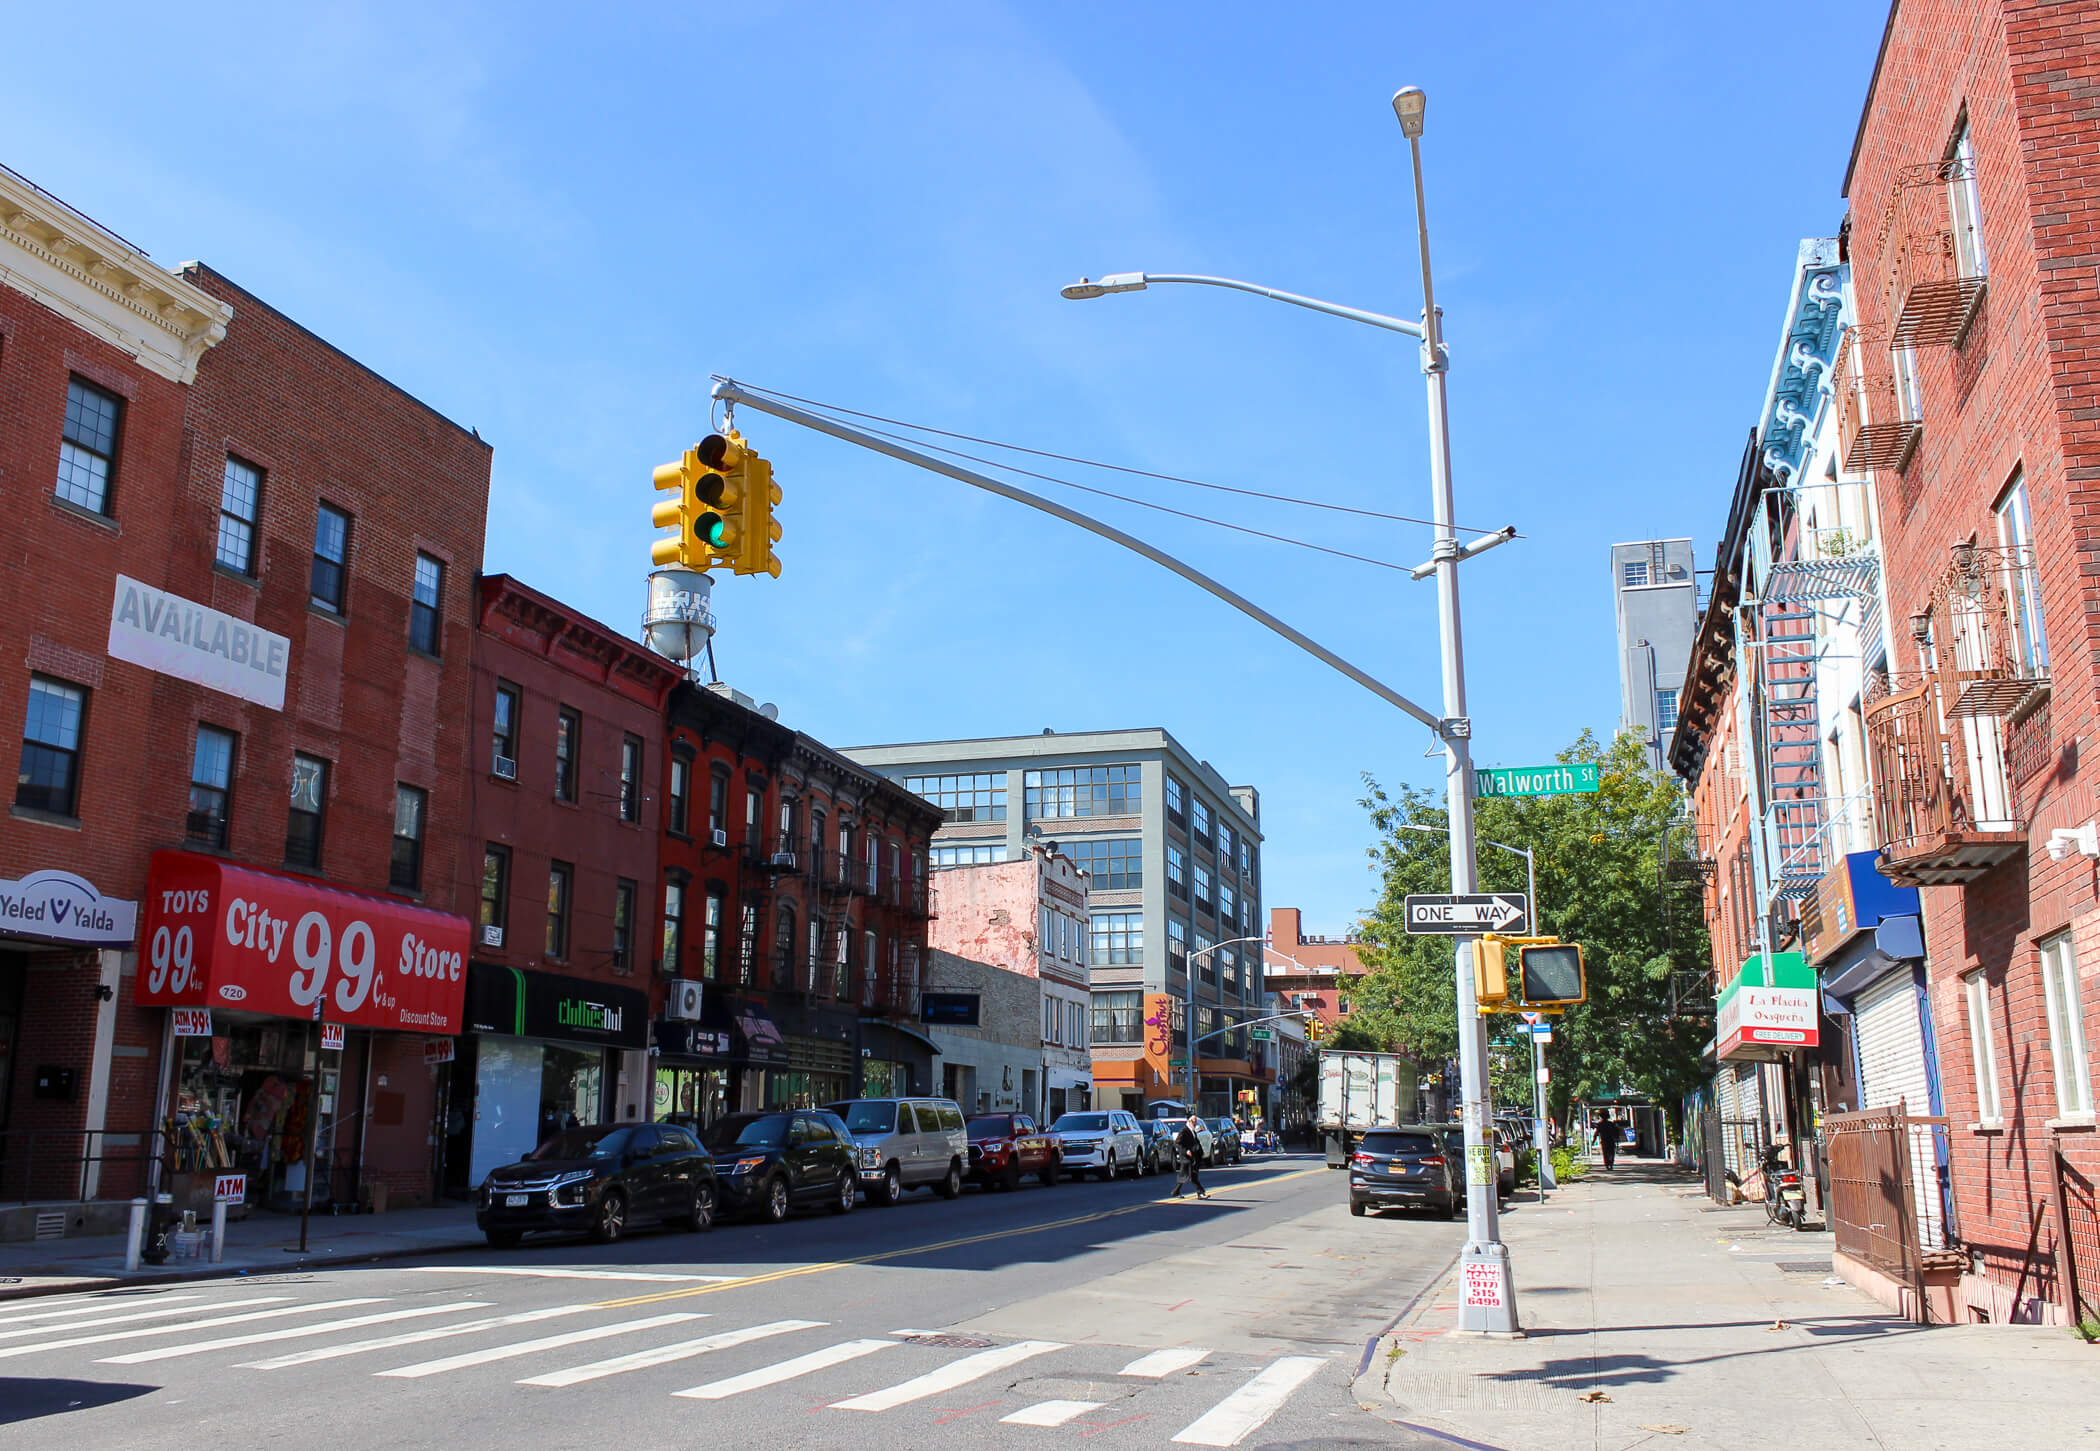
x: 692, y: 1080
x: 297, y: 1014
x: 895, y: 1061
x: 547, y: 1053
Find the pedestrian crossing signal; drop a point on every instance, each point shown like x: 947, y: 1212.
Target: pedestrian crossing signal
x: 1548, y: 975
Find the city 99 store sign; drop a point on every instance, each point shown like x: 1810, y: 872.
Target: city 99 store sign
x: 217, y: 935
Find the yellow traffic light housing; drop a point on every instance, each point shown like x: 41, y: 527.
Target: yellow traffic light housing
x: 1552, y: 975
x: 722, y: 488
x: 1490, y: 980
x: 760, y: 530
x: 678, y: 513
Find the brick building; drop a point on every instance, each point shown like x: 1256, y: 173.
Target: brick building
x: 1316, y: 974
x: 238, y: 563
x: 565, y: 802
x: 1974, y: 239
x: 794, y: 895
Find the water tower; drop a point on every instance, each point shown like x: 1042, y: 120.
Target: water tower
x: 678, y: 624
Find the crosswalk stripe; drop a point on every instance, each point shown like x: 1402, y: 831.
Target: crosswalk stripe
x: 90, y: 1307
x: 1250, y: 1407
x: 1165, y: 1362
x: 1050, y: 1413
x: 186, y: 1327
x: 948, y: 1377
x: 535, y: 1273
x: 296, y: 1332
x: 528, y: 1347
x: 773, y: 1374
x: 413, y: 1337
x: 665, y: 1354
x: 128, y: 1316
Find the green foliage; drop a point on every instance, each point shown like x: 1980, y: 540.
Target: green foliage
x: 1599, y: 885
x: 1566, y: 1166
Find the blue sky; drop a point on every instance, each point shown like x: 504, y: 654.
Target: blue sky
x: 554, y: 223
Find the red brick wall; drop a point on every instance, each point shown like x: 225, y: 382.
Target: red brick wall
x: 2019, y: 394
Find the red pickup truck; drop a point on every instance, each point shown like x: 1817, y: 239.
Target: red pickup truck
x: 1005, y: 1146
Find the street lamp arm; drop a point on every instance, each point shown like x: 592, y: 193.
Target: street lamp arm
x: 1332, y: 309
x: 1250, y: 1023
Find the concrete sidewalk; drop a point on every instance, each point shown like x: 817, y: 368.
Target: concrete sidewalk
x: 260, y: 1244
x: 1654, y: 1317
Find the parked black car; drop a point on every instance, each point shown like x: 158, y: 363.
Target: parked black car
x: 600, y: 1179
x: 1225, y: 1143
x: 1411, y: 1167
x: 766, y: 1163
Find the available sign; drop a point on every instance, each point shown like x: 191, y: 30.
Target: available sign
x: 179, y: 637
x: 225, y: 936
x: 1767, y: 1005
x: 64, y: 908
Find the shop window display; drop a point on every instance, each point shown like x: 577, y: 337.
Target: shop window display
x: 245, y: 1100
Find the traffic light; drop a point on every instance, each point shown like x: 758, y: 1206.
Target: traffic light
x: 1552, y: 974
x: 679, y: 512
x: 721, y: 487
x: 1490, y: 980
x: 760, y: 530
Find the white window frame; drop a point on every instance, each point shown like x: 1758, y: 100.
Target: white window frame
x: 1965, y: 205
x: 2015, y: 521
x: 1983, y: 1049
x: 2070, y: 1067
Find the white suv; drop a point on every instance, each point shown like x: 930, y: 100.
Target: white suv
x: 1104, y: 1142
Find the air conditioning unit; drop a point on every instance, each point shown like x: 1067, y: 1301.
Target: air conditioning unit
x: 720, y: 837
x: 506, y: 768
x: 784, y: 859
x: 682, y: 1000
x: 491, y: 936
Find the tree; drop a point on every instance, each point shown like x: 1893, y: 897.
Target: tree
x: 1599, y: 884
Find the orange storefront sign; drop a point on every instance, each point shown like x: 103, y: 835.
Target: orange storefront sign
x: 1159, y: 1033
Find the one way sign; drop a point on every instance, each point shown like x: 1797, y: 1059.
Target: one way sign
x: 1453, y: 916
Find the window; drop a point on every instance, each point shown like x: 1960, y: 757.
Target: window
x: 754, y: 805
x: 87, y: 453
x: 1228, y: 906
x: 1119, y: 1017
x: 871, y: 960
x: 560, y: 876
x: 405, y: 870
x: 1965, y: 203
x: 1119, y: 939
x: 495, y: 886
x: 711, y: 936
x: 968, y: 853
x: 1079, y: 944
x: 1229, y: 965
x: 331, y: 557
x: 1224, y: 848
x: 964, y: 798
x: 1246, y: 863
x: 240, y: 501
x: 674, y: 924
x: 1175, y: 809
x: 681, y: 786
x: 1177, y: 873
x: 1341, y: 1004
x: 1633, y: 574
x: 1200, y: 829
x: 303, y: 829
x: 2022, y: 596
x: 1117, y: 866
x: 423, y: 619
x: 568, y: 745
x: 631, y: 778
x: 1203, y: 896
x: 1665, y: 712
x: 1050, y: 1020
x: 622, y: 927
x: 2067, y: 1056
x: 211, y: 781
x: 1178, y: 942
x: 1983, y: 1051
x: 503, y: 732
x: 1204, y: 951
x: 1910, y: 399
x: 717, y: 800
x: 1084, y: 791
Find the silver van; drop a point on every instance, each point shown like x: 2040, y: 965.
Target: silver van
x: 906, y: 1143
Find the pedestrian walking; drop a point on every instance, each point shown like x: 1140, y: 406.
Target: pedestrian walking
x: 1608, y: 1139
x: 1188, y: 1160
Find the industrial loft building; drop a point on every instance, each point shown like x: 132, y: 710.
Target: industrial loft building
x: 1655, y: 597
x: 1174, y: 854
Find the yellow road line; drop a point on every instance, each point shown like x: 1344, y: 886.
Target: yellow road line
x: 894, y: 1254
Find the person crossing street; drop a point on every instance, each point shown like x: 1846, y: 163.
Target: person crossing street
x: 1188, y: 1160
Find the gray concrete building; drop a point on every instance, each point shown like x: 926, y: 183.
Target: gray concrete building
x: 1175, y: 856
x: 1655, y: 595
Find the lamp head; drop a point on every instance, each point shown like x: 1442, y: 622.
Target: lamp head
x: 1084, y: 288
x: 1408, y: 104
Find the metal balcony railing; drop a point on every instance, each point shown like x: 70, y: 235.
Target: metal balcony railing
x: 1986, y: 631
x: 1878, y: 423
x: 1931, y: 255
x: 1944, y: 808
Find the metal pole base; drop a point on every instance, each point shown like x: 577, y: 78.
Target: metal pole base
x: 1487, y: 1296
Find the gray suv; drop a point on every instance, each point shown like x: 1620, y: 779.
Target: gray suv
x: 906, y: 1143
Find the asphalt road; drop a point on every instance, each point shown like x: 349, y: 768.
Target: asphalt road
x: 1087, y: 1312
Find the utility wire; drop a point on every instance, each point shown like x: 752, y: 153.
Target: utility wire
x: 1097, y: 464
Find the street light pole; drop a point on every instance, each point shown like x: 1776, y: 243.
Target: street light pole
x: 1189, y: 1031
x: 1488, y: 1296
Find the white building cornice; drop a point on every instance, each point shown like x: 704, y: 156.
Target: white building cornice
x: 102, y: 284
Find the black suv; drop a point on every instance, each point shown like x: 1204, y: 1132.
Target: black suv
x: 1411, y: 1167
x: 769, y: 1162
x: 600, y: 1179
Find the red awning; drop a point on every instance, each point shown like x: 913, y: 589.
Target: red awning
x: 219, y: 935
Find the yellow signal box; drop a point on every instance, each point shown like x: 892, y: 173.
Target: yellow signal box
x: 760, y: 530
x: 722, y: 488
x: 1490, y: 980
x: 1549, y: 975
x: 679, y: 512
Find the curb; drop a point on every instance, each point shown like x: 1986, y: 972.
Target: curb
x: 87, y: 1284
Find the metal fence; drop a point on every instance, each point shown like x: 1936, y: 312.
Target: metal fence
x: 1729, y: 1152
x: 1887, y: 1207
x: 65, y: 1165
x: 2077, y: 1214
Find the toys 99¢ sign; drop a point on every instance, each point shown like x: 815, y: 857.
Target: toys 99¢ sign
x: 217, y: 935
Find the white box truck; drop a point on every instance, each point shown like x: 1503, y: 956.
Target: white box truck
x: 1361, y: 1091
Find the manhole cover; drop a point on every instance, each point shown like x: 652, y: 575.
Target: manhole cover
x: 1802, y: 1267
x: 953, y: 1342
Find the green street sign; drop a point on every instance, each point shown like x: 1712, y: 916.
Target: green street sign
x: 1579, y: 779
x: 1260, y: 1035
